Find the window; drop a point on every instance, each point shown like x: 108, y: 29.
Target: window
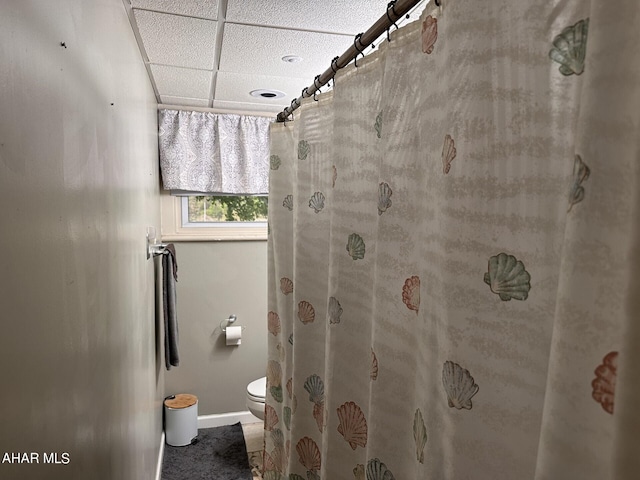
x: 214, y: 217
x: 211, y: 210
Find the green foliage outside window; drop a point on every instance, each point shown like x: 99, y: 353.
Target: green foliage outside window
x: 234, y: 208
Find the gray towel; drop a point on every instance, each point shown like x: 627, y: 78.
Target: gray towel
x: 169, y: 279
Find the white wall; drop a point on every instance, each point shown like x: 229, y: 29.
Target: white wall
x: 78, y: 187
x: 215, y: 280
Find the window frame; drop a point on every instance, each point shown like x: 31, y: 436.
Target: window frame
x: 173, y: 228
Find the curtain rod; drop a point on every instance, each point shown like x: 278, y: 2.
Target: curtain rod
x: 395, y: 11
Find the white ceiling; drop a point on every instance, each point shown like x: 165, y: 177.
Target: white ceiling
x: 213, y: 53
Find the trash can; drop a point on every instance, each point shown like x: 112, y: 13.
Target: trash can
x: 180, y: 419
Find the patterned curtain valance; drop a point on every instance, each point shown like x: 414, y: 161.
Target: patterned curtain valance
x: 214, y: 153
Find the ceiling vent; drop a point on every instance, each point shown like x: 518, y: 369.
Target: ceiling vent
x: 291, y: 59
x: 268, y: 94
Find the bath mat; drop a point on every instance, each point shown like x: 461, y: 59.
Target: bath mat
x: 219, y: 454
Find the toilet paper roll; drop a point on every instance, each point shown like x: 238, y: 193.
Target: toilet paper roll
x: 234, y: 335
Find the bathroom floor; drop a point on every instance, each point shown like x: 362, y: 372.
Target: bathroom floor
x: 253, y: 437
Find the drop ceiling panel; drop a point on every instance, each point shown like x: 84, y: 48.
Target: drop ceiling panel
x: 182, y: 82
x: 190, y: 8
x: 186, y: 102
x: 339, y: 16
x: 247, y: 108
x: 242, y: 54
x: 177, y: 40
x: 236, y: 87
x: 182, y: 41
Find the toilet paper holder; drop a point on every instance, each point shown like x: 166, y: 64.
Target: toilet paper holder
x: 227, y: 322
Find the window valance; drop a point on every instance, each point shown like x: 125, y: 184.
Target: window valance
x: 214, y: 153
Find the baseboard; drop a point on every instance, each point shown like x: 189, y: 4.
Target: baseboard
x: 220, y: 419
x: 160, y: 457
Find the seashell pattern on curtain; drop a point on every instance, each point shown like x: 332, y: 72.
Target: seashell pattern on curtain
x: 460, y: 217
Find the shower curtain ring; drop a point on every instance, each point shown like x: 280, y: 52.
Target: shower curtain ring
x: 335, y: 70
x: 357, y: 40
x: 315, y: 84
x: 391, y: 5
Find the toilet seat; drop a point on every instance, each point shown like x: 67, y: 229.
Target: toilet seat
x: 257, y: 390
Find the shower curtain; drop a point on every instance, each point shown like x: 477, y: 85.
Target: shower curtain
x: 453, y: 254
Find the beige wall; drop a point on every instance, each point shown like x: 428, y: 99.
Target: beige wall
x: 78, y: 187
x: 215, y: 280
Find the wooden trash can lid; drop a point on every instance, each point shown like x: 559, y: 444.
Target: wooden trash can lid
x: 182, y: 400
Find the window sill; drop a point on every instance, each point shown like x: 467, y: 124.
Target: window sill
x: 214, y: 237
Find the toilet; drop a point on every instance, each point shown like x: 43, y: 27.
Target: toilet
x: 256, y: 392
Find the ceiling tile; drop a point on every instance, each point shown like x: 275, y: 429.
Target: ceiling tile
x: 189, y: 8
x: 242, y: 53
x: 186, y: 102
x: 182, y: 82
x: 236, y: 87
x: 339, y: 16
x: 176, y: 40
x: 239, y: 107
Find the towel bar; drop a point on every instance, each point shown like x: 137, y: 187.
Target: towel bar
x: 156, y: 249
